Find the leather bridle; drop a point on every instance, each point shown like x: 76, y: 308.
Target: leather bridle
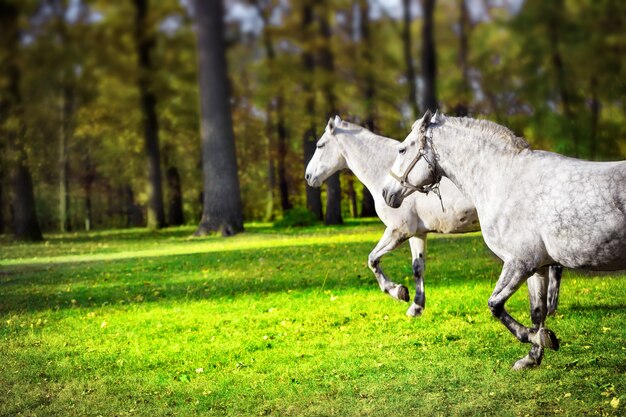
x: 432, y: 167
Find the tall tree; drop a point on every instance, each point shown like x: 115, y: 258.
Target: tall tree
x: 313, y: 195
x: 222, y: 202
x: 464, y: 26
x: 87, y: 181
x: 144, y: 43
x: 175, y: 197
x: 174, y: 189
x: 12, y: 126
x: 276, y: 103
x: 368, y: 208
x: 333, y: 183
x: 407, y: 49
x: 2, y: 163
x: 554, y: 27
x: 271, y: 165
x: 429, y: 57
x: 66, y: 109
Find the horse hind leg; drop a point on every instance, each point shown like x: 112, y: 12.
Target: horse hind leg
x: 418, y: 252
x: 554, y: 286
x: 512, y: 277
x: 538, y: 293
x: 391, y: 239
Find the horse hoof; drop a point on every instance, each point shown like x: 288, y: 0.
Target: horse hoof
x: 414, y: 310
x: 400, y: 292
x: 525, y: 363
x: 548, y: 339
x: 403, y: 293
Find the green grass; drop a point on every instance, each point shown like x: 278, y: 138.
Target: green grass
x: 287, y: 322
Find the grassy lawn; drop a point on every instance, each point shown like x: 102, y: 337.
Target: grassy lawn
x: 288, y: 322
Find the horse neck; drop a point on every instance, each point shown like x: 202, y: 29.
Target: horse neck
x: 472, y: 160
x: 369, y: 157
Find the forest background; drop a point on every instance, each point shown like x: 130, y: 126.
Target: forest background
x: 93, y: 92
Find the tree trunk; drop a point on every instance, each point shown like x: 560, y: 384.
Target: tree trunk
x: 595, y: 117
x: 313, y: 195
x: 222, y: 209
x: 25, y: 223
x: 429, y: 58
x: 88, y: 180
x: 144, y: 42
x: 3, y: 162
x: 351, y: 196
x: 281, y: 132
x: 333, y: 200
x: 88, y: 209
x: 175, y: 198
x: 333, y: 184
x: 271, y: 169
x: 367, y: 203
x: 1, y: 192
x: 67, y: 109
x: 278, y: 105
x: 407, y: 49
x: 134, y: 216
x: 462, y: 108
x: 553, y: 22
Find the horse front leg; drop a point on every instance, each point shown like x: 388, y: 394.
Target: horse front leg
x: 511, y: 278
x: 538, y: 295
x: 418, y: 255
x: 391, y: 239
x: 554, y: 285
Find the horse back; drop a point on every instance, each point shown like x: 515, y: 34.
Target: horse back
x: 583, y: 221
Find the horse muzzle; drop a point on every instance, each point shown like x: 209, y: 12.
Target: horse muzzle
x: 312, y: 180
x: 393, y: 200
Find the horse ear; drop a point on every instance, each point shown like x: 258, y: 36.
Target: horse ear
x: 427, y: 116
x: 437, y: 117
x: 425, y: 120
x: 330, y: 127
x: 337, y: 121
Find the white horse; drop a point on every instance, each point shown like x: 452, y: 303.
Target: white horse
x: 536, y: 208
x: 369, y: 156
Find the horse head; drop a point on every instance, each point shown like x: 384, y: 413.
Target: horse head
x: 327, y: 158
x: 415, y: 167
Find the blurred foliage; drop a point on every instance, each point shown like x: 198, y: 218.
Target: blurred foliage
x: 296, y: 217
x: 552, y: 71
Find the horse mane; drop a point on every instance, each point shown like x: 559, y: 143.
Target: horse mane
x: 491, y: 128
x: 354, y: 128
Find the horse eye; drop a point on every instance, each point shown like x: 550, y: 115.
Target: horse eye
x: 320, y: 145
x: 402, y: 151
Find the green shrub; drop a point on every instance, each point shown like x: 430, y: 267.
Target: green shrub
x: 297, y: 217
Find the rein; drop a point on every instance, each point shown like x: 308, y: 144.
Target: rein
x: 432, y: 167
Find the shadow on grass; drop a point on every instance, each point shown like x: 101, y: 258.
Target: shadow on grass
x: 600, y: 307
x: 126, y: 235
x: 214, y: 275
x: 459, y: 261
x: 181, y: 232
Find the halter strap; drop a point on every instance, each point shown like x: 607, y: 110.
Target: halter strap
x: 432, y: 166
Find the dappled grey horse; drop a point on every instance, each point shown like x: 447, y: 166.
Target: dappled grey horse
x: 369, y: 156
x: 536, y: 208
